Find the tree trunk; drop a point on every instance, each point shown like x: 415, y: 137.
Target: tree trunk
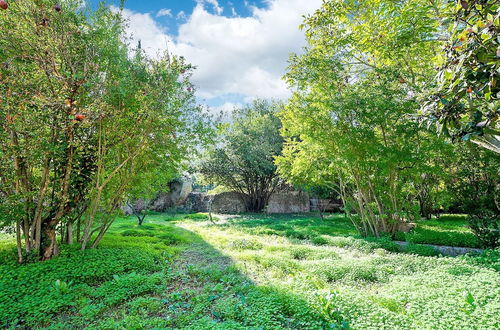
x: 48, y: 247
x: 78, y: 228
x: 69, y: 233
x: 19, y: 243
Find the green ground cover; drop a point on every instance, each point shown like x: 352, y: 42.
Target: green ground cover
x: 249, y: 272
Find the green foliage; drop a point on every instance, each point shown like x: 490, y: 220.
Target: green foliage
x: 422, y: 250
x: 466, y: 101
x: 196, y: 216
x: 348, y: 125
x: 243, y: 160
x: 90, y: 282
x: 446, y: 230
x: 244, y: 244
x: 359, y: 285
x: 62, y: 283
x: 95, y: 116
x: 472, y: 180
x: 142, y: 282
x: 486, y: 228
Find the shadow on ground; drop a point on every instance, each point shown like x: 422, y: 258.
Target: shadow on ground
x: 150, y: 276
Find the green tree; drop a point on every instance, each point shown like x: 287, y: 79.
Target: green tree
x: 350, y: 122
x: 243, y: 159
x: 465, y: 105
x: 80, y: 119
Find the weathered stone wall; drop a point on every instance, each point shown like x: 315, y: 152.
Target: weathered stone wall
x: 232, y: 203
x: 289, y: 202
x: 228, y: 203
x: 326, y: 205
x: 197, y: 202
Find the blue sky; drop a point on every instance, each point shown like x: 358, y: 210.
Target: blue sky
x: 240, y: 48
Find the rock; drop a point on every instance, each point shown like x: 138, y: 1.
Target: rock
x: 406, y: 227
x: 289, y: 202
x: 179, y: 190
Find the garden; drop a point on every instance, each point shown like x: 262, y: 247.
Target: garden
x: 368, y: 197
x: 251, y: 271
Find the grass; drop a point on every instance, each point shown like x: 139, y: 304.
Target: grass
x: 449, y: 230
x: 249, y: 272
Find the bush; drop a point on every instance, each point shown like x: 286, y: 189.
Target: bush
x: 485, y: 227
x: 422, y: 250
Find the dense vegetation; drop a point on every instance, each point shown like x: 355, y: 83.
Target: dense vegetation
x: 393, y: 113
x: 243, y: 158
x: 86, y: 120
x: 252, y: 271
x: 353, y: 122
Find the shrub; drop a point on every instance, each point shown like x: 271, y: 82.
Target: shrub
x: 422, y: 250
x: 300, y: 252
x: 137, y: 233
x: 485, y: 227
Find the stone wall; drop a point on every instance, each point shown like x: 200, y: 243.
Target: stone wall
x: 228, y: 203
x: 289, y: 202
x: 326, y: 205
x: 232, y: 203
x: 197, y: 202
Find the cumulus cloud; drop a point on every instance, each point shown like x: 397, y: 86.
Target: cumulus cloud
x: 215, y: 4
x: 164, y: 12
x: 246, y: 56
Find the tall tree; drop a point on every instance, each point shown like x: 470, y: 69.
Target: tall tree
x: 349, y: 123
x: 79, y: 118
x: 244, y: 158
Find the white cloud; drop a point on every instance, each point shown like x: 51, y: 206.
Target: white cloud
x: 222, y: 112
x: 143, y: 27
x: 181, y: 15
x: 245, y: 56
x: 164, y: 12
x: 218, y: 9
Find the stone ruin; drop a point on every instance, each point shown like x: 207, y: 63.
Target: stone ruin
x: 180, y: 195
x: 280, y: 203
x: 288, y: 202
x: 177, y: 195
x: 326, y: 205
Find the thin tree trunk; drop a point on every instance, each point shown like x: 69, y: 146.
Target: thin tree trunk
x: 69, y: 233
x: 78, y: 228
x: 37, y: 221
x: 19, y: 243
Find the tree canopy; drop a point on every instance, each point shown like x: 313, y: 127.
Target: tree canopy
x: 83, y: 120
x: 465, y: 104
x: 243, y: 159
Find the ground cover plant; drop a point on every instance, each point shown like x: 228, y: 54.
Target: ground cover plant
x: 253, y: 271
x: 390, y: 117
